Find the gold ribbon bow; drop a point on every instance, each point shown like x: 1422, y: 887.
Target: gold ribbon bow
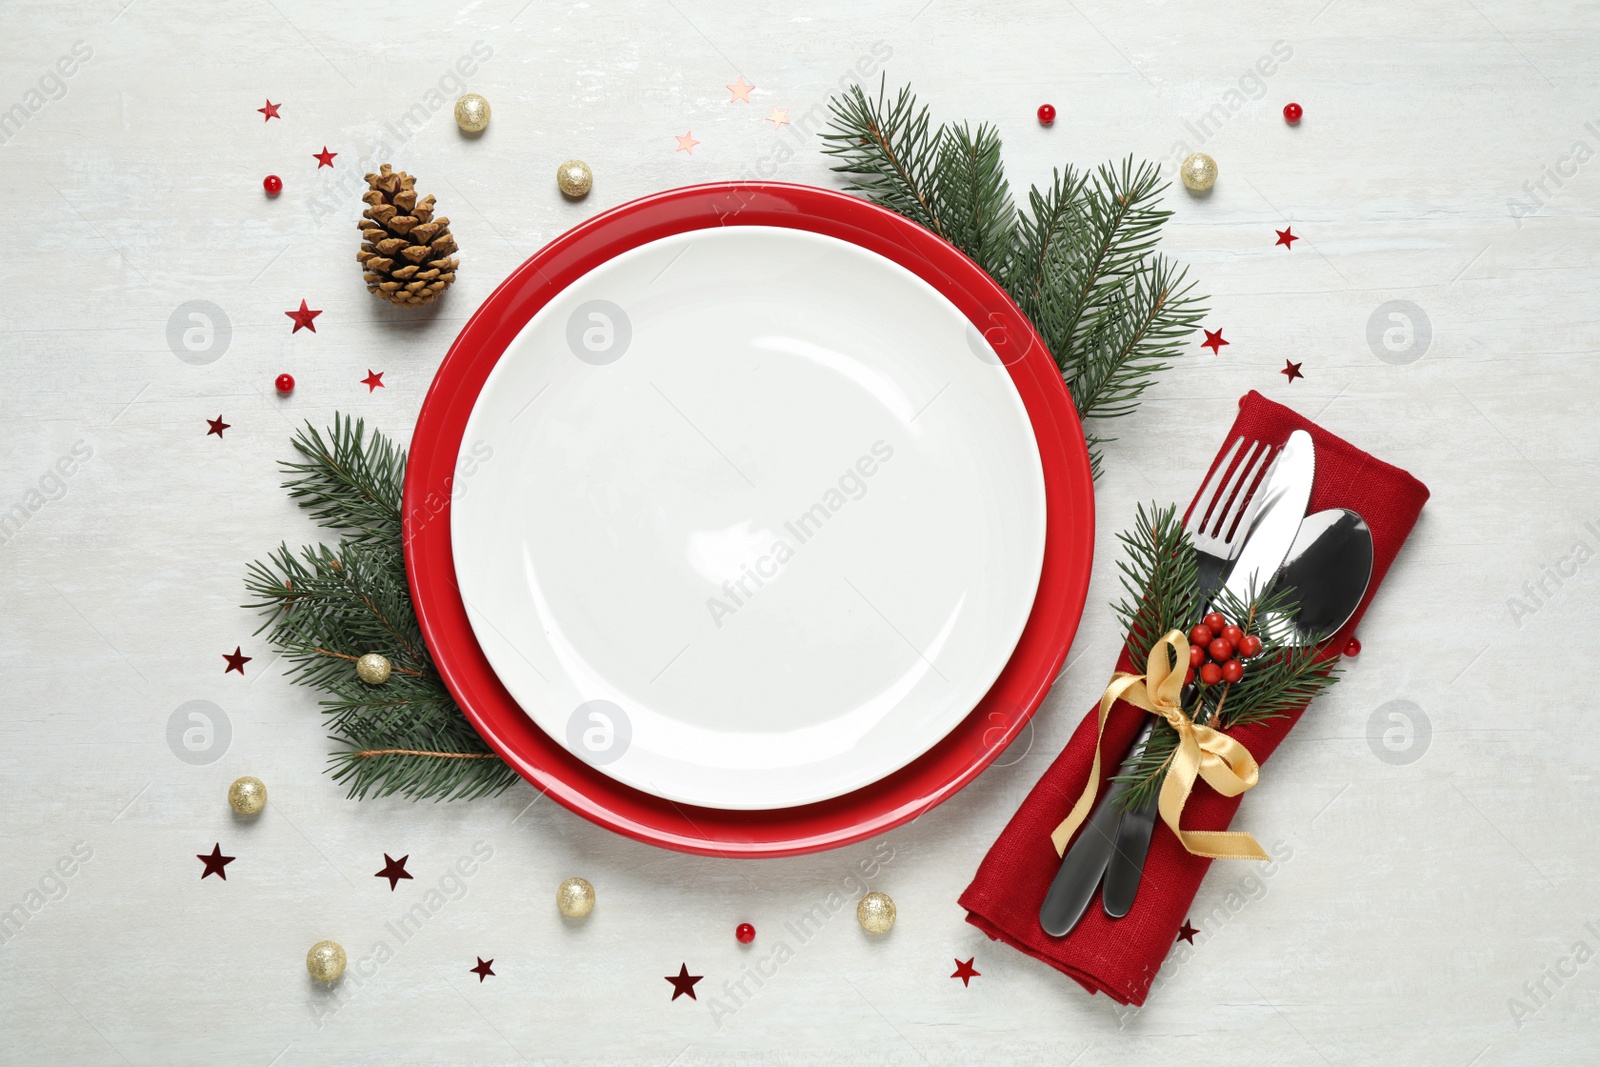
x: 1224, y: 763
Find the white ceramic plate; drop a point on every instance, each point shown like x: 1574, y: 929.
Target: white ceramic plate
x: 748, y: 517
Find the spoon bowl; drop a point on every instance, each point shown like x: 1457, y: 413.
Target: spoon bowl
x: 1326, y: 573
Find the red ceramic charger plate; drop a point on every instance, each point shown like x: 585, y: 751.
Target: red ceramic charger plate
x: 942, y: 770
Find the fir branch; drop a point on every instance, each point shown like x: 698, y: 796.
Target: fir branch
x: 324, y: 608
x: 1080, y: 261
x: 1159, y: 577
x: 348, y: 481
x: 973, y: 198
x: 888, y: 150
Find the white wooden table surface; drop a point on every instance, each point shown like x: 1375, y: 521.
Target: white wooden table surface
x: 1437, y: 905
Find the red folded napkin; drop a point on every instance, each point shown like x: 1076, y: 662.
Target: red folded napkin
x: 1120, y: 957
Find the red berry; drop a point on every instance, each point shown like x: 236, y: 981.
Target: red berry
x: 1292, y: 113
x: 1214, y: 622
x: 1232, y: 633
x: 272, y: 184
x: 1249, y: 646
x: 1201, y: 635
x: 1047, y: 114
x: 745, y: 933
x: 1353, y: 648
x: 1188, y: 676
x: 1221, y: 649
x: 1232, y: 671
x: 285, y: 383
x: 1197, y: 655
x: 1210, y: 674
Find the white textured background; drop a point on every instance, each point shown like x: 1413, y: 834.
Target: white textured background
x: 1425, y: 890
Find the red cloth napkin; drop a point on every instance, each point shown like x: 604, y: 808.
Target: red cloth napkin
x: 1120, y: 957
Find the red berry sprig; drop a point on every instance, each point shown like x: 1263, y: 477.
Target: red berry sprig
x: 1217, y: 649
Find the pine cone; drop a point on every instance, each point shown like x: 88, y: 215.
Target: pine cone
x: 406, y: 250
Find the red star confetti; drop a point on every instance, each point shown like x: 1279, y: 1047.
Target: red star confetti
x: 270, y: 111
x: 214, y: 862
x: 1213, y: 341
x: 217, y: 426
x: 303, y: 317
x: 373, y: 381
x: 687, y: 142
x: 482, y: 970
x: 740, y: 90
x: 1286, y: 237
x: 394, y: 870
x: 324, y: 158
x: 779, y: 117
x: 1187, y: 932
x: 1291, y: 370
x: 966, y: 972
x: 236, y: 660
x: 683, y: 982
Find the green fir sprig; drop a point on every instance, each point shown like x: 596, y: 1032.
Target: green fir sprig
x: 1080, y: 261
x: 324, y: 608
x: 1161, y: 587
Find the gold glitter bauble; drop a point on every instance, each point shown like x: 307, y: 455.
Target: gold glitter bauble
x: 875, y: 913
x: 575, y: 898
x: 472, y: 113
x: 575, y: 178
x: 1199, y: 172
x: 325, y: 961
x: 247, y: 795
x: 373, y: 668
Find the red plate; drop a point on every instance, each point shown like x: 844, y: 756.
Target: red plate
x: 940, y: 772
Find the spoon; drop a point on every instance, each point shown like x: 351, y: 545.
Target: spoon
x: 1326, y: 573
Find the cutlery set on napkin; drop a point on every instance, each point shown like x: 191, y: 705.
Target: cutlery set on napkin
x: 1287, y: 508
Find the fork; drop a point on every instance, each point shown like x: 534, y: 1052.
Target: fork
x: 1233, y: 504
x: 1219, y: 523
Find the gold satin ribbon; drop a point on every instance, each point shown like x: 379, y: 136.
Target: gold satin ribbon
x: 1224, y: 763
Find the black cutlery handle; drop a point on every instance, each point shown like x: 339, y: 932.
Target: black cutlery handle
x: 1081, y: 868
x: 1132, y: 843
x: 1128, y: 856
x: 1085, y: 862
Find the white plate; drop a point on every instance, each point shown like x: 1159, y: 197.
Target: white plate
x: 748, y: 517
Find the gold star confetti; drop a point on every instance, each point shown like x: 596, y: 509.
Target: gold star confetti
x: 779, y: 117
x: 687, y: 142
x: 740, y: 90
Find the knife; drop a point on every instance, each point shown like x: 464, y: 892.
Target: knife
x: 1283, y: 507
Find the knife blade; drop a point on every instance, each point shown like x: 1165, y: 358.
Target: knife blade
x: 1284, y: 497
x: 1274, y: 518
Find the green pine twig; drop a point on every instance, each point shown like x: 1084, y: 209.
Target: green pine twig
x: 1080, y: 261
x: 325, y: 607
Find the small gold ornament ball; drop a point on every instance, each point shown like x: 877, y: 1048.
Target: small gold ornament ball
x: 325, y: 961
x: 575, y: 178
x: 373, y: 668
x: 472, y: 113
x: 247, y: 795
x: 575, y: 898
x: 875, y: 913
x: 1199, y: 172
